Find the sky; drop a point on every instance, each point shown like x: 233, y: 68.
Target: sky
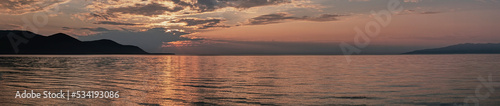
x: 231, y: 27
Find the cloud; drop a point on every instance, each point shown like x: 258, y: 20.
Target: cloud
x: 282, y: 17
x: 85, y: 30
x: 100, y: 16
x: 256, y: 3
x: 97, y: 29
x: 10, y: 26
x: 116, y: 23
x: 269, y: 19
x: 322, y: 17
x: 411, y: 1
x: 212, y: 5
x: 151, y: 9
x: 201, y: 23
x: 430, y: 12
x: 488, y: 1
x: 27, y: 6
x: 163, y: 7
x: 182, y: 14
x: 419, y: 11
x: 358, y: 0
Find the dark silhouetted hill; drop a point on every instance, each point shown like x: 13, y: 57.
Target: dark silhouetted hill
x: 467, y: 48
x: 59, y: 44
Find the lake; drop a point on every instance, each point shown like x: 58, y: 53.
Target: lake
x: 254, y: 80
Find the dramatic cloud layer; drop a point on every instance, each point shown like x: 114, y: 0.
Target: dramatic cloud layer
x: 26, y: 6
x: 165, y: 7
x: 168, y: 13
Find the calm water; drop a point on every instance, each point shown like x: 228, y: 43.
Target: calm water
x: 253, y: 80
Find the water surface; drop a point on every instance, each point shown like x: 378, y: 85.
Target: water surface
x: 252, y: 80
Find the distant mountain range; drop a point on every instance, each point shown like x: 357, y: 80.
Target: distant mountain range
x: 467, y: 48
x: 31, y: 43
